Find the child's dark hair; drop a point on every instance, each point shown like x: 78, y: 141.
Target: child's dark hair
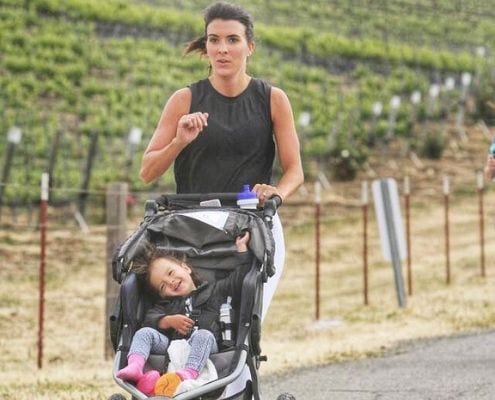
x: 225, y: 11
x: 143, y: 259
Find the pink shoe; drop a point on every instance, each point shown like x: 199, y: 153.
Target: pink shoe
x: 134, y: 370
x: 147, y: 383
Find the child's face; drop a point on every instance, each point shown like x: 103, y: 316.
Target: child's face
x: 171, y: 278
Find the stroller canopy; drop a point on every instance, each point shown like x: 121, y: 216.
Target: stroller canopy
x: 205, y: 237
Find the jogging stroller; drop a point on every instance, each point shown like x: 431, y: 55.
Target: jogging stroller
x: 203, y: 228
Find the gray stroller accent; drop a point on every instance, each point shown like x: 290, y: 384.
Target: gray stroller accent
x: 203, y: 228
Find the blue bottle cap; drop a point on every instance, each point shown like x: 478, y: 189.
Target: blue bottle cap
x: 246, y: 193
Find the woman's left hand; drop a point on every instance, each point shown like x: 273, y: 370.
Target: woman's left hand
x: 265, y: 192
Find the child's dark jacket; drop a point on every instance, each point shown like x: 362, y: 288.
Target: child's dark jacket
x: 207, y: 298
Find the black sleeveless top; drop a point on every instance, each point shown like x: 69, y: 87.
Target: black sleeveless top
x: 236, y: 147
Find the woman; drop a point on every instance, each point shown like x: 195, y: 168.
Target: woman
x: 221, y: 132
x: 191, y: 129
x: 489, y: 169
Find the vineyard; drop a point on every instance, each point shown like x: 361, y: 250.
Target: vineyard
x: 83, y: 82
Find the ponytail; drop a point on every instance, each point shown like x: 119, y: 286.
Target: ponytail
x: 196, y: 45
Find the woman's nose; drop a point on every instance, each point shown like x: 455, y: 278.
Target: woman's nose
x: 222, y: 48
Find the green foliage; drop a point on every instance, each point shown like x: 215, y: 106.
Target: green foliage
x: 87, y: 66
x: 345, y: 161
x: 485, y: 100
x: 433, y: 145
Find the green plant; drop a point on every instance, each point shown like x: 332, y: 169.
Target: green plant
x: 485, y: 101
x: 433, y: 145
x: 86, y: 67
x: 345, y: 161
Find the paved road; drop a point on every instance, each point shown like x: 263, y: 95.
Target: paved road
x: 459, y: 367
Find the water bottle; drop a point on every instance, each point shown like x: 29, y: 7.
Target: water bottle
x: 226, y: 320
x: 247, y: 199
x: 492, y: 154
x: 193, y: 314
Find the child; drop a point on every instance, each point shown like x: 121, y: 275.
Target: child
x: 181, y: 293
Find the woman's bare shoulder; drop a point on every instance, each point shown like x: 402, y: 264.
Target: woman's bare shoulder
x: 183, y: 94
x: 180, y: 100
x: 279, y: 99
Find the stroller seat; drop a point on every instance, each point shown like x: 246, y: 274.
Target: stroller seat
x: 135, y: 302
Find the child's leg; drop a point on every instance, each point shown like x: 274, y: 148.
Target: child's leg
x: 144, y: 341
x: 202, y: 344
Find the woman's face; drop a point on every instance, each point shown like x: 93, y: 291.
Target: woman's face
x: 227, y: 47
x: 171, y: 278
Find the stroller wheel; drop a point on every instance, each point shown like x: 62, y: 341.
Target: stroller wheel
x: 117, y: 396
x: 286, y: 396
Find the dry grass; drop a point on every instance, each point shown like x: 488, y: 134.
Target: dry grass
x: 74, y: 367
x: 348, y: 328
x: 73, y: 362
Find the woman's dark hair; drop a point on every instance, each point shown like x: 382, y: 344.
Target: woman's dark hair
x: 147, y: 255
x: 225, y: 11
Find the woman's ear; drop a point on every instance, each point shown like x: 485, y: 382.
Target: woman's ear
x: 252, y: 47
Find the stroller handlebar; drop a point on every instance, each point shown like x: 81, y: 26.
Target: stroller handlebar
x: 271, y: 205
x: 227, y: 199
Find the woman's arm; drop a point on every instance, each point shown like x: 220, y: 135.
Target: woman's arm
x: 287, y: 148
x: 489, y: 167
x: 175, y: 130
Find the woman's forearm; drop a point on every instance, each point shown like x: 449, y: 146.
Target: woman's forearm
x: 156, y: 162
x: 290, y: 181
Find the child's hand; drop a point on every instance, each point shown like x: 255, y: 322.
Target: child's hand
x: 179, y: 322
x: 241, y: 242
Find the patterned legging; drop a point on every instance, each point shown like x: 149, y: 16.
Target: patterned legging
x: 149, y: 340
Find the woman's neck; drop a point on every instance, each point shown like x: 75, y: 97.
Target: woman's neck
x: 230, y: 87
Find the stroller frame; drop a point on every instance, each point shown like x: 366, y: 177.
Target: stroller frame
x: 130, y: 307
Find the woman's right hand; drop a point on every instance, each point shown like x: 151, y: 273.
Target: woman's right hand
x: 189, y: 126
x: 179, y: 322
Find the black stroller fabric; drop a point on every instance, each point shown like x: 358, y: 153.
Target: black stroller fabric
x: 202, y: 243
